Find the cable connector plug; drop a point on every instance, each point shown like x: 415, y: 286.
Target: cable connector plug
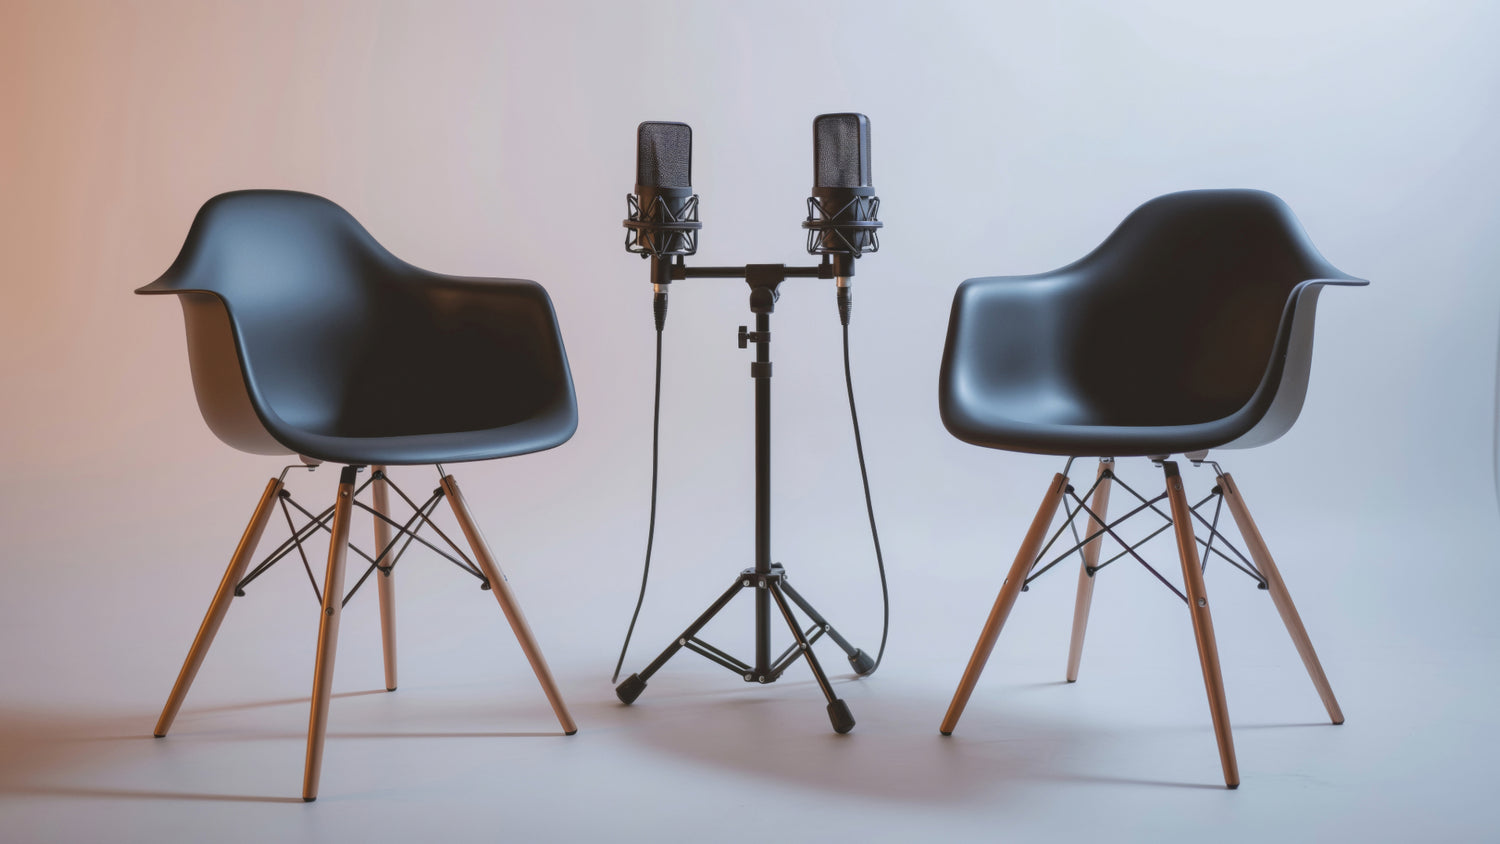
x: 659, y: 308
x: 846, y: 305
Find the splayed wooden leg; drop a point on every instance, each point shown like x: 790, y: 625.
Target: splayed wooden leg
x: 1203, y: 623
x: 328, y: 634
x: 508, y: 603
x: 1099, y: 504
x: 219, y: 607
x: 1025, y: 558
x: 1279, y: 596
x: 387, y: 579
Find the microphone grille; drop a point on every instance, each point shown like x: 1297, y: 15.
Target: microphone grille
x: 841, y: 151
x: 664, y: 155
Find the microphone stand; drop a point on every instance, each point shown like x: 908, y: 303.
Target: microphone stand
x: 768, y: 579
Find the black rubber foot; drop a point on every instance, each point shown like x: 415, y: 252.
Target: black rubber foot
x: 159, y: 735
x: 862, y: 662
x: 308, y: 799
x: 842, y: 718
x: 1071, y: 681
x: 945, y: 733
x: 1335, y: 723
x: 1234, y: 787
x: 571, y: 733
x: 631, y: 689
x: 390, y: 688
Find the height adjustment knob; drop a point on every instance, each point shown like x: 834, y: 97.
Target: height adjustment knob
x: 744, y: 336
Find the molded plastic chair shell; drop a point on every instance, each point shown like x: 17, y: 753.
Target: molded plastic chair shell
x: 1190, y: 328
x: 306, y: 336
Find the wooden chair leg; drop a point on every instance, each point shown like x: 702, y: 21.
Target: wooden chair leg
x: 219, y: 607
x: 386, y: 581
x: 1203, y: 624
x: 1099, y: 504
x: 508, y: 604
x: 1279, y: 596
x: 1025, y: 558
x: 328, y: 634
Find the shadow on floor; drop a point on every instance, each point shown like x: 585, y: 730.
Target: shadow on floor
x: 1010, y: 742
x: 46, y: 752
x: 895, y: 753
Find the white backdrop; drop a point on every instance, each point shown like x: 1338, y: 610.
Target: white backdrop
x: 498, y: 139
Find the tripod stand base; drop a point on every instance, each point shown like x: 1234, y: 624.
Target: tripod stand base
x: 774, y: 585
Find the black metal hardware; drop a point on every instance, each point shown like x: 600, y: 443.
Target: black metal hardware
x: 385, y: 559
x: 1076, y: 505
x: 829, y: 229
x: 659, y: 230
x: 766, y: 578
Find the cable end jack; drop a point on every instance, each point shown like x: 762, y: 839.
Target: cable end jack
x: 659, y: 305
x: 846, y: 304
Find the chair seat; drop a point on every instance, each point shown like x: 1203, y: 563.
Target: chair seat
x: 539, y: 433
x: 1035, y: 429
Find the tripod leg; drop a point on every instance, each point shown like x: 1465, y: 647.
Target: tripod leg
x: 1100, y: 505
x: 219, y: 607
x: 1025, y: 559
x: 328, y: 634
x: 862, y: 662
x: 838, y: 710
x: 386, y: 581
x: 631, y: 687
x: 1203, y: 623
x: 1279, y: 596
x: 508, y: 604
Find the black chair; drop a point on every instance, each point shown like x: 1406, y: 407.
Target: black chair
x: 1189, y: 329
x: 306, y: 337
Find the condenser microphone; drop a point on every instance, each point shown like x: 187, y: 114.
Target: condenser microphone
x: 663, y: 211
x: 842, y: 213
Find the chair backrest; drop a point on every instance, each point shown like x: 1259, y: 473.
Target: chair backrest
x: 298, y: 321
x: 1189, y: 327
x: 1185, y: 313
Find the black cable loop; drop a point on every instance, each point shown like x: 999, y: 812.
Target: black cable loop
x: 864, y: 476
x: 660, y: 309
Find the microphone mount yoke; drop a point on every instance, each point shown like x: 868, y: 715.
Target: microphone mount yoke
x: 761, y: 277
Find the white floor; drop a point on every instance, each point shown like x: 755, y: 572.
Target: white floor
x: 467, y: 748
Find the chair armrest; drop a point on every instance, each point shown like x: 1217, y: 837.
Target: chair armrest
x: 1278, y: 399
x: 483, y: 336
x: 1006, y: 340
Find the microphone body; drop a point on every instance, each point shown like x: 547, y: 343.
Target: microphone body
x: 843, y: 210
x: 662, y: 219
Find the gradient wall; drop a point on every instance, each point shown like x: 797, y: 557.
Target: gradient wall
x: 497, y: 139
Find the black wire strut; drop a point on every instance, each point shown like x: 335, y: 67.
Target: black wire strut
x: 1243, y: 564
x: 385, y: 560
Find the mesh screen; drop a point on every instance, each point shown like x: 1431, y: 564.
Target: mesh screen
x: 664, y: 155
x: 841, y: 151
